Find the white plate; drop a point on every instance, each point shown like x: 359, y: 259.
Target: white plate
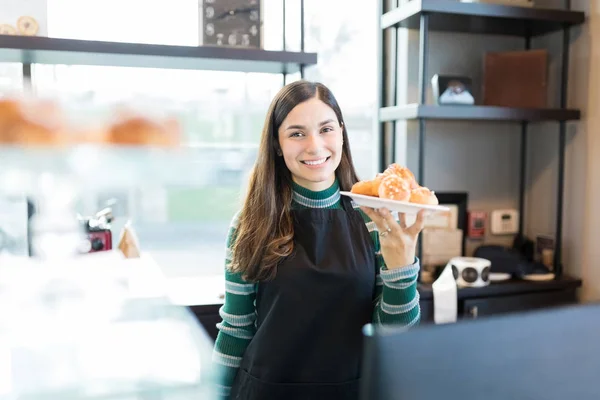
x: 499, y: 276
x: 539, y: 277
x: 392, y: 205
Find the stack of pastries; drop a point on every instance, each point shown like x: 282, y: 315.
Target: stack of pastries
x: 396, y: 183
x: 45, y: 123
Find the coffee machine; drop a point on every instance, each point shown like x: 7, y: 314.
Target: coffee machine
x: 97, y: 230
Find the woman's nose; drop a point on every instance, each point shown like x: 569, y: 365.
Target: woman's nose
x: 315, y: 144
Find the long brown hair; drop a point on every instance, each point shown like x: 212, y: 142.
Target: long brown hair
x: 265, y: 230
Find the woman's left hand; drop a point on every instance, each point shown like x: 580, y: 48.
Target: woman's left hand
x: 398, y: 241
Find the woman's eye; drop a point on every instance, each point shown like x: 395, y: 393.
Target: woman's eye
x: 327, y: 129
x: 296, y: 134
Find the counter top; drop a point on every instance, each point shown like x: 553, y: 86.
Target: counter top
x: 513, y: 286
x: 209, y: 290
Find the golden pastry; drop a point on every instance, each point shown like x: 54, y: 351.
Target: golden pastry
x: 32, y: 124
x: 27, y: 26
x: 375, y: 184
x: 423, y: 195
x: 402, y: 172
x: 362, y: 187
x: 6, y: 29
x: 394, y: 187
x: 143, y: 131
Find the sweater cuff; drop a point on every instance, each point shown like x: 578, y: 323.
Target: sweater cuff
x: 408, y: 272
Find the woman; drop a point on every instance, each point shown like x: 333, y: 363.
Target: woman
x: 306, y: 268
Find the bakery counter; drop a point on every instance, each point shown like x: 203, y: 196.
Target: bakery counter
x: 505, y: 297
x: 204, y: 297
x: 510, y: 287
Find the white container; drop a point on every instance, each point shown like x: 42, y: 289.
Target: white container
x: 471, y: 271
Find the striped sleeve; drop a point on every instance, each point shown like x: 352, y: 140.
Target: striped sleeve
x: 395, y: 296
x: 238, y: 323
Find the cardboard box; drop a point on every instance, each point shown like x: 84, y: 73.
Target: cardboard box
x: 516, y: 79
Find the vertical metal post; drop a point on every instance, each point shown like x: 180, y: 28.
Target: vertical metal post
x: 393, y: 93
x: 27, y: 84
x: 284, y: 44
x: 387, y: 52
x: 301, y: 35
x: 380, y: 83
x: 562, y: 141
x: 423, y: 49
x: 523, y: 165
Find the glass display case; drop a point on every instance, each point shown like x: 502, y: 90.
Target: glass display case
x: 76, y: 324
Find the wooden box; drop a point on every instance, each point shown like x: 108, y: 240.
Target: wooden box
x: 516, y: 79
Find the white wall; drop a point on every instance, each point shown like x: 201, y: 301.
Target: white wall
x: 483, y: 157
x: 582, y: 179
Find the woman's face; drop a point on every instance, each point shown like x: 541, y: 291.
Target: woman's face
x: 310, y: 139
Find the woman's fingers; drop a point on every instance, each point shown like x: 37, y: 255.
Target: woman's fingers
x: 402, y: 220
x: 419, y: 224
x: 385, y: 221
x: 389, y: 219
x: 375, y: 217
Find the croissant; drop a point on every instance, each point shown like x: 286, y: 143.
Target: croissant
x: 397, y: 183
x: 423, y: 195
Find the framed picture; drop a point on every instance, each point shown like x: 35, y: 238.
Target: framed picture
x: 452, y: 90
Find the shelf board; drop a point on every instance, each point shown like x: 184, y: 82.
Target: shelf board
x: 455, y: 16
x: 511, y: 287
x: 486, y: 113
x: 44, y: 50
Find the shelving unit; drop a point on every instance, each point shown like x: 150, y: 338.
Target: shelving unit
x: 475, y: 18
x: 454, y: 16
x: 44, y: 50
x: 483, y: 113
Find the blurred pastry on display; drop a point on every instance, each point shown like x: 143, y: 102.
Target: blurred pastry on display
x: 36, y: 122
x: 31, y: 123
x: 140, y: 130
x: 7, y: 29
x: 27, y: 26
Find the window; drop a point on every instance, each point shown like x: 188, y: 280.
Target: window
x: 184, y: 223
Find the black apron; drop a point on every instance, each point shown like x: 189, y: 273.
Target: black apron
x: 308, y: 342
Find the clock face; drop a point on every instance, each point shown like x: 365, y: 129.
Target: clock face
x: 231, y: 23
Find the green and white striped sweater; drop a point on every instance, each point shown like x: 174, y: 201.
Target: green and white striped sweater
x: 396, y: 301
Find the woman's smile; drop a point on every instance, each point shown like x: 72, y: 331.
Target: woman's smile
x: 316, y: 163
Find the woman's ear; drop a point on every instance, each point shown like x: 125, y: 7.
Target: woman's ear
x: 278, y: 150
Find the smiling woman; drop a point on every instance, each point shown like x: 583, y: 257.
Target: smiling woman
x: 292, y: 144
x: 312, y: 150
x: 301, y: 255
